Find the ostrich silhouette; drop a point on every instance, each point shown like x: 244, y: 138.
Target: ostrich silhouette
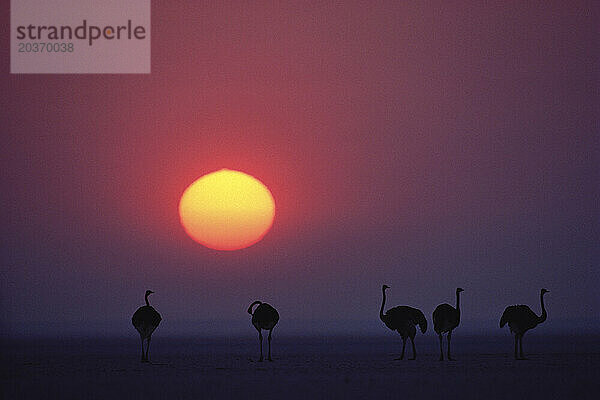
x: 264, y: 317
x: 520, y: 319
x: 403, y: 320
x: 445, y: 319
x: 145, y: 320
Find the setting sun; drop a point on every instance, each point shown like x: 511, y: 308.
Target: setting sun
x: 227, y: 210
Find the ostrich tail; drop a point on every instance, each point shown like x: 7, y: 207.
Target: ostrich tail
x: 252, y: 305
x: 504, y: 318
x: 419, y: 319
x: 423, y: 325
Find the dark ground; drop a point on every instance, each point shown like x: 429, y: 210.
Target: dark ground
x: 304, y: 368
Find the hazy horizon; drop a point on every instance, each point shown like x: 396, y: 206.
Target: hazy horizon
x: 293, y: 327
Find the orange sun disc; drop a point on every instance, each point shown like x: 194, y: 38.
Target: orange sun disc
x: 227, y: 210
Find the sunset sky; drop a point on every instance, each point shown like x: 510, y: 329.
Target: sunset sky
x: 422, y: 146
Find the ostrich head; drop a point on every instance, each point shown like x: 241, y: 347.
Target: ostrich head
x: 544, y: 291
x: 149, y: 292
x: 384, y: 287
x: 458, y: 290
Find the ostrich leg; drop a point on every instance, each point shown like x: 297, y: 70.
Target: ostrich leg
x: 403, y: 347
x: 441, y: 347
x: 269, y: 338
x: 516, y: 346
x: 412, y: 341
x: 521, y: 348
x: 148, y: 348
x: 449, y: 338
x: 142, y: 340
x: 260, y: 338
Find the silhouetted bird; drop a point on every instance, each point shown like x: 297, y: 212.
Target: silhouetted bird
x: 145, y: 320
x: 264, y: 317
x: 520, y: 319
x: 445, y: 319
x: 403, y: 319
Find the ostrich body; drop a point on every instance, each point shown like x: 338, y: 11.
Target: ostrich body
x: 264, y: 317
x: 445, y: 319
x: 520, y: 319
x: 145, y: 320
x: 403, y: 319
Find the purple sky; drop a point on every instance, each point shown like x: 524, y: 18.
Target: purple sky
x: 422, y: 146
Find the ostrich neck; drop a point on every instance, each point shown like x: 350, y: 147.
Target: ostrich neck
x: 147, y: 303
x: 381, y: 316
x: 544, y: 315
x: 458, y: 301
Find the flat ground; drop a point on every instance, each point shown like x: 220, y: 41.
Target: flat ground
x: 303, y: 368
